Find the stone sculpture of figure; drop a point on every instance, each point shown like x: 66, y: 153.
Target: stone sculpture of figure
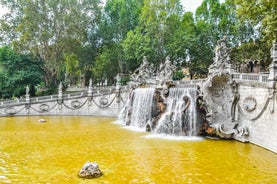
x: 221, y: 59
x: 142, y: 72
x: 60, y: 86
x: 274, y: 52
x: 60, y: 90
x: 27, y: 90
x: 221, y: 51
x: 166, y: 70
x: 118, y: 79
x: 90, y: 82
x: 160, y: 108
x: 185, y: 120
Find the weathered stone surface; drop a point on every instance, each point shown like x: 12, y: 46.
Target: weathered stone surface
x: 90, y: 170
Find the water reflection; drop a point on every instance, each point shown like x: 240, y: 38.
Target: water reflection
x: 54, y: 152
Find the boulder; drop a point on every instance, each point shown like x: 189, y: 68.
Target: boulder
x: 90, y: 170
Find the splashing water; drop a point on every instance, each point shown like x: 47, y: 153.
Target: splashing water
x: 180, y: 115
x: 142, y: 106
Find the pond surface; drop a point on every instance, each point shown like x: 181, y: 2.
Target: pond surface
x: 55, y: 151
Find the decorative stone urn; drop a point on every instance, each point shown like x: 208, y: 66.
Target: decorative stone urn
x: 90, y: 170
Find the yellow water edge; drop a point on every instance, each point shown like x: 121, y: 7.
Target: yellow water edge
x: 54, y: 152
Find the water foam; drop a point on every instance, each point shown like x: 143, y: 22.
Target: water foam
x: 173, y: 137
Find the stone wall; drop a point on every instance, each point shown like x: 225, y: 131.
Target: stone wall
x: 99, y: 104
x: 258, y: 112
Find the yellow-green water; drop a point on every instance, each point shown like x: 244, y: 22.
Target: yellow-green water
x: 54, y: 152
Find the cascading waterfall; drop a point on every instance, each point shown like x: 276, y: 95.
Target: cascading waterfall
x: 180, y: 115
x: 142, y: 104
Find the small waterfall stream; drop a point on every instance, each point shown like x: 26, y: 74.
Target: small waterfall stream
x: 179, y: 118
x: 142, y: 106
x: 180, y: 115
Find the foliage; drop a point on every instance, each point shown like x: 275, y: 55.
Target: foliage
x: 262, y: 14
x: 178, y: 75
x: 106, y: 65
x: 48, y: 29
x: 18, y: 71
x: 72, y: 68
x: 86, y: 39
x: 119, y: 17
x: 156, y: 34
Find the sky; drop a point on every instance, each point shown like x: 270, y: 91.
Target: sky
x: 189, y: 5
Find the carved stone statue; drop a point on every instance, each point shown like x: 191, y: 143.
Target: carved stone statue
x: 165, y: 74
x: 90, y: 170
x: 118, y: 80
x: 185, y: 120
x: 90, y: 82
x: 143, y: 72
x: 273, y: 67
x: 60, y: 91
x: 60, y: 86
x: 27, y: 90
x: 221, y: 60
x: 274, y: 52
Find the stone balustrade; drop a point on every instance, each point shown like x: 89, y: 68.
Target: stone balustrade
x: 110, y: 89
x: 250, y: 77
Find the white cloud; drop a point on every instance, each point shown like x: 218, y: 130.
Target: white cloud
x: 3, y: 11
x: 191, y: 5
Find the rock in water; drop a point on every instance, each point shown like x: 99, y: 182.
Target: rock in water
x: 41, y: 120
x: 90, y: 170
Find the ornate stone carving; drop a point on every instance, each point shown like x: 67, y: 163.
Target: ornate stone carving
x: 44, y: 107
x: 220, y: 97
x: 221, y: 62
x: 142, y: 73
x: 10, y: 111
x: 165, y: 73
x: 273, y: 66
x: 75, y: 104
x: 103, y: 101
x: 249, y: 104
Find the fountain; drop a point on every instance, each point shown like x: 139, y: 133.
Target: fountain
x: 208, y: 108
x: 163, y: 106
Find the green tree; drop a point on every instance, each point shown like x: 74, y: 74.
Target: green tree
x: 261, y: 13
x: 72, y: 68
x: 18, y: 71
x: 156, y: 34
x: 213, y: 21
x: 106, y: 66
x: 119, y: 17
x: 48, y: 29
